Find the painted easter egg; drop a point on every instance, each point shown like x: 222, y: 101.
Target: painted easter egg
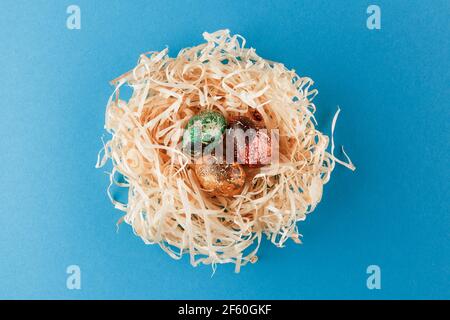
x: 204, y: 129
x: 219, y: 178
x: 251, y: 145
x: 240, y: 131
x: 257, y: 152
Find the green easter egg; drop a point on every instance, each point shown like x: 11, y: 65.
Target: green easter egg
x: 205, y: 128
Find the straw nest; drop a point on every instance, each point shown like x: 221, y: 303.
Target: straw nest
x: 166, y: 204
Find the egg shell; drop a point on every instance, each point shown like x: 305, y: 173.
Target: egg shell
x: 257, y: 152
x: 220, y: 179
x: 204, y: 129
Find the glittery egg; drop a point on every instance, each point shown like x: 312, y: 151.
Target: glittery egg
x: 203, y: 129
x: 220, y: 179
x: 252, y: 145
x: 240, y: 131
x: 257, y: 152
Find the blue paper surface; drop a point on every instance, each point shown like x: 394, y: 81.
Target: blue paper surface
x: 392, y: 85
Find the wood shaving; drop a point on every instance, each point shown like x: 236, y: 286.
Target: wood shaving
x: 166, y: 204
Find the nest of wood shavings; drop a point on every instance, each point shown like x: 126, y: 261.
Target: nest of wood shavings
x: 166, y: 204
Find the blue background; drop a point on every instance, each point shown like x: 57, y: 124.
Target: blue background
x: 392, y: 85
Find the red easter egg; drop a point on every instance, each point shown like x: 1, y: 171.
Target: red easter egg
x: 257, y: 152
x: 251, y: 144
